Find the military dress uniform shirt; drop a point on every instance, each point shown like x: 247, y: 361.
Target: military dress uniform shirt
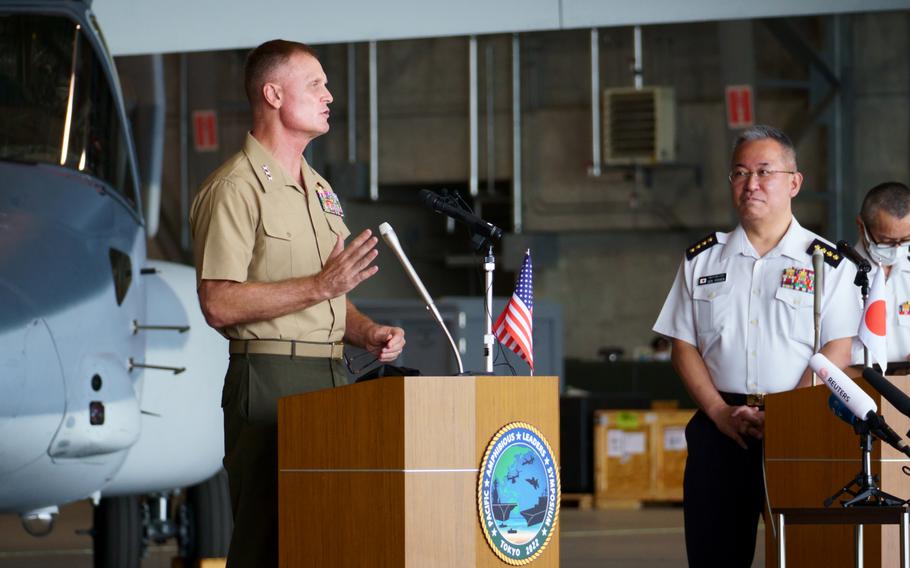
x: 897, y: 296
x: 751, y: 317
x: 252, y: 222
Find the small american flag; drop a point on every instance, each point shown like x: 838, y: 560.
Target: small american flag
x: 514, y: 326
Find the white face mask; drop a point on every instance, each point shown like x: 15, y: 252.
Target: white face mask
x: 886, y: 255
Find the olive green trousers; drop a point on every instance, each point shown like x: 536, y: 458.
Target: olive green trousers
x: 252, y: 387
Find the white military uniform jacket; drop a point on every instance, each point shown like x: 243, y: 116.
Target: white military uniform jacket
x: 752, y: 318
x: 897, y: 296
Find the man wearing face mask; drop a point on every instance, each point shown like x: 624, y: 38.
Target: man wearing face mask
x: 884, y: 228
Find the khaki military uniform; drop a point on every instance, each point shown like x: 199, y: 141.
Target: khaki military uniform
x: 252, y: 223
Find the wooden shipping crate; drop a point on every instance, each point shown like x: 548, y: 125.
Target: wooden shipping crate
x: 668, y: 453
x: 622, y: 459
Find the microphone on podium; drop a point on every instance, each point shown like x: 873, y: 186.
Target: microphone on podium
x: 847, y: 251
x: 856, y: 402
x: 818, y: 267
x: 442, y: 205
x: 853, y: 397
x: 886, y: 388
x: 391, y: 239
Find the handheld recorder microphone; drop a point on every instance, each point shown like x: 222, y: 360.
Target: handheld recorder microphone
x: 856, y: 401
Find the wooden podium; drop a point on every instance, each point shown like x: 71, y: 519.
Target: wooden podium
x: 384, y: 473
x: 809, y: 455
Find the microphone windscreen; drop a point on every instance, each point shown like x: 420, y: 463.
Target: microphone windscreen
x: 840, y: 409
x: 427, y: 197
x: 892, y: 394
x: 855, y: 398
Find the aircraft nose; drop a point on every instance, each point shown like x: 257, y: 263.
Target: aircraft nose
x: 31, y: 387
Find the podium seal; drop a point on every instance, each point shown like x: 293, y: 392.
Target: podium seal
x: 518, y: 493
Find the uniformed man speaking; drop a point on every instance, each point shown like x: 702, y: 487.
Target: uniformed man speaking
x: 272, y: 272
x: 740, y: 316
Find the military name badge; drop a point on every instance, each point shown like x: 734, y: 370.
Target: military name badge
x: 518, y: 493
x: 329, y: 201
x: 801, y: 279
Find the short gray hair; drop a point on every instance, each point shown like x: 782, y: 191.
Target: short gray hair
x: 892, y: 197
x: 765, y: 132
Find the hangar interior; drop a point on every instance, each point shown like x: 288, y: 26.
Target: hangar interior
x: 520, y: 124
x: 606, y: 238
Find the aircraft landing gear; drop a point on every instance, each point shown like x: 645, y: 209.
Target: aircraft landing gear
x: 199, y: 518
x: 206, y: 520
x: 117, y: 532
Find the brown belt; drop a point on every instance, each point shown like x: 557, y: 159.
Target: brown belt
x: 286, y: 347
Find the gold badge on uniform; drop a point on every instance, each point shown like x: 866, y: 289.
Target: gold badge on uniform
x: 329, y: 201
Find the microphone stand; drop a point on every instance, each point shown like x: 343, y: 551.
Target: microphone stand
x: 489, y: 265
x: 482, y: 241
x: 862, y: 281
x: 867, y: 492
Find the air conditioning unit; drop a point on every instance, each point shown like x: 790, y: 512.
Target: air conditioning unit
x: 639, y: 125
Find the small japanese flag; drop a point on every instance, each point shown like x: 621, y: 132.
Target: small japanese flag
x: 872, y: 326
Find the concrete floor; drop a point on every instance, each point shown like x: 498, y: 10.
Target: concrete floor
x: 650, y: 537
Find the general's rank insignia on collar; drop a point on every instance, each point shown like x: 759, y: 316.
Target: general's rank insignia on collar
x: 701, y: 246
x: 329, y: 201
x: 267, y: 171
x: 832, y: 257
x: 801, y: 279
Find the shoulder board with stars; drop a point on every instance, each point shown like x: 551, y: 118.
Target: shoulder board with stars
x: 832, y: 257
x: 700, y: 246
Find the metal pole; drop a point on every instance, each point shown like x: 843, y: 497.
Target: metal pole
x: 516, y: 134
x: 836, y: 201
x: 595, y: 103
x: 905, y: 539
x: 374, y: 126
x: 489, y: 63
x: 489, y: 265
x: 639, y: 80
x: 472, y: 114
x: 352, y: 103
x: 781, y: 543
x: 184, y: 161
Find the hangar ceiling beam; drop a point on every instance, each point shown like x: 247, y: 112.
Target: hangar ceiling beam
x: 165, y: 26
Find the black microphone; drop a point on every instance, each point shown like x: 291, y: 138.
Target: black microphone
x: 883, y: 432
x: 850, y: 254
x: 886, y: 388
x: 478, y: 225
x: 876, y: 424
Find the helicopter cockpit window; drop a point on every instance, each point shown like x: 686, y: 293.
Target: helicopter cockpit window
x: 56, y: 102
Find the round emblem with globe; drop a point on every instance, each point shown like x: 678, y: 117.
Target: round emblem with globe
x: 518, y: 493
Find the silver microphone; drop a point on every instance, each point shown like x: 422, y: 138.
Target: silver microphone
x: 818, y: 265
x: 391, y: 239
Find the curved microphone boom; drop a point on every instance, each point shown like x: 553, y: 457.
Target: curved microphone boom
x: 818, y: 267
x: 440, y: 205
x: 391, y: 239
